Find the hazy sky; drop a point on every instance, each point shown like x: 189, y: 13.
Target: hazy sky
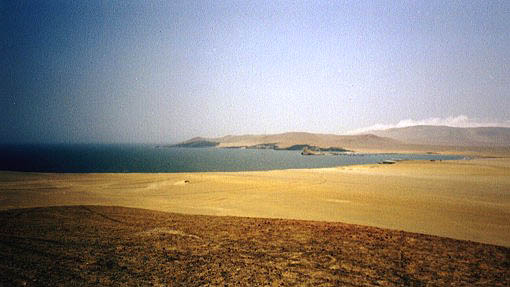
x: 164, y: 71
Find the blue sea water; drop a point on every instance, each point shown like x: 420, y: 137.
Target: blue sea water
x: 77, y: 158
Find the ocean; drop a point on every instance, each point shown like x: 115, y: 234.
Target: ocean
x: 119, y: 158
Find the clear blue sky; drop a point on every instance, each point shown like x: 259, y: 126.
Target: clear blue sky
x: 164, y: 71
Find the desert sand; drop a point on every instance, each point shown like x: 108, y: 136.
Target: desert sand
x: 464, y: 199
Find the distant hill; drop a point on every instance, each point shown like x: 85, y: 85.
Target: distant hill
x: 293, y: 139
x: 485, y: 141
x: 449, y: 136
x: 197, y: 142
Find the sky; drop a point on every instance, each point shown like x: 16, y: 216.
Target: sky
x: 165, y: 71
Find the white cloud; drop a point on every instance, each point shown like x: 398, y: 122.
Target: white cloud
x: 461, y: 121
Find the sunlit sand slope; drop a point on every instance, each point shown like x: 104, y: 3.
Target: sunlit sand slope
x: 459, y: 199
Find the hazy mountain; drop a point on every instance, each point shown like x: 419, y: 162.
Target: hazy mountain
x: 448, y: 136
x: 286, y: 140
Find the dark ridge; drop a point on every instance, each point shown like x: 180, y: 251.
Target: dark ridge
x: 337, y: 149
x: 314, y: 148
x: 298, y: 147
x: 199, y: 143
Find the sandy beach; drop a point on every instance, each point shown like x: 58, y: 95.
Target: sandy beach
x: 462, y: 199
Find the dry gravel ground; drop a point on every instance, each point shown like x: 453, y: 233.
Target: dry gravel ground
x: 92, y: 245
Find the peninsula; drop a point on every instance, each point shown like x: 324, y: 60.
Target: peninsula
x: 485, y: 141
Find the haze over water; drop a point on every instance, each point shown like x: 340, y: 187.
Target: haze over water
x: 165, y: 71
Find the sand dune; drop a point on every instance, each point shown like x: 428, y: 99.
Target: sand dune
x: 458, y: 199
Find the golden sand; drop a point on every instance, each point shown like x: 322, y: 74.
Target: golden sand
x: 465, y: 199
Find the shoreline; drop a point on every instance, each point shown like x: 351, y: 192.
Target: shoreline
x: 465, y: 157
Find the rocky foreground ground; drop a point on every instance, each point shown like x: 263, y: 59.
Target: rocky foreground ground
x: 92, y: 245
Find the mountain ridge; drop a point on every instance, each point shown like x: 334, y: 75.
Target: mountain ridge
x: 448, y: 136
x: 486, y: 141
x: 289, y: 139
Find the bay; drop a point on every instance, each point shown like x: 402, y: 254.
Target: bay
x: 119, y: 158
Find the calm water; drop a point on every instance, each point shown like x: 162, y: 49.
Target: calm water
x: 148, y: 158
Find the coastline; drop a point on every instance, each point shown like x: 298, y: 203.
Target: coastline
x: 460, y: 199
